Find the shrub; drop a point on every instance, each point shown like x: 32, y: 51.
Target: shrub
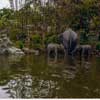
x: 36, y: 39
x: 98, y: 46
x: 84, y: 38
x: 51, y: 39
x: 20, y: 44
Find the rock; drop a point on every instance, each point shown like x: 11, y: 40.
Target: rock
x: 30, y: 51
x: 14, y: 50
x: 3, y: 35
x: 36, y: 53
x: 6, y: 46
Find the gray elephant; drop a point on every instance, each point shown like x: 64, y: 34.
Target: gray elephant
x: 84, y: 51
x: 55, y: 47
x: 69, y: 40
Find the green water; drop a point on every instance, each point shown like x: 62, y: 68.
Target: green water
x: 38, y: 77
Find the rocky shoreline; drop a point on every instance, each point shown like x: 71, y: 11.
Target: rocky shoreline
x: 6, y: 46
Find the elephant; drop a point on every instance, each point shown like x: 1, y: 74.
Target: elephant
x: 69, y: 40
x: 55, y: 47
x: 84, y: 51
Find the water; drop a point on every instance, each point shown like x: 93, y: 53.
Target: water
x: 38, y: 77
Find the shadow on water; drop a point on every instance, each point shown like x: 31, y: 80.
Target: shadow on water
x: 38, y: 77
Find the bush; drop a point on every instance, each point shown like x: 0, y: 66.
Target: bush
x: 36, y: 39
x: 37, y: 46
x: 20, y: 44
x: 51, y: 39
x: 84, y: 38
x: 98, y: 46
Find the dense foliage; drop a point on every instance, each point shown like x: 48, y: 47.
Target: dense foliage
x: 51, y: 19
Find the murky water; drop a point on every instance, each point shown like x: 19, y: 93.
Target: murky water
x: 38, y: 77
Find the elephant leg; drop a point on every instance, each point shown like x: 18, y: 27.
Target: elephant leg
x: 65, y: 44
x: 89, y: 53
x: 56, y: 54
x: 72, y: 47
x: 86, y: 53
x: 65, y: 55
x: 48, y: 51
x: 81, y: 53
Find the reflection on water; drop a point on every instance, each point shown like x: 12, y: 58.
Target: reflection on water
x: 20, y: 87
x: 37, y: 77
x: 27, y: 87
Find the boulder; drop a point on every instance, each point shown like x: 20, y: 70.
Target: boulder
x: 15, y: 51
x: 6, y: 46
x: 30, y: 51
